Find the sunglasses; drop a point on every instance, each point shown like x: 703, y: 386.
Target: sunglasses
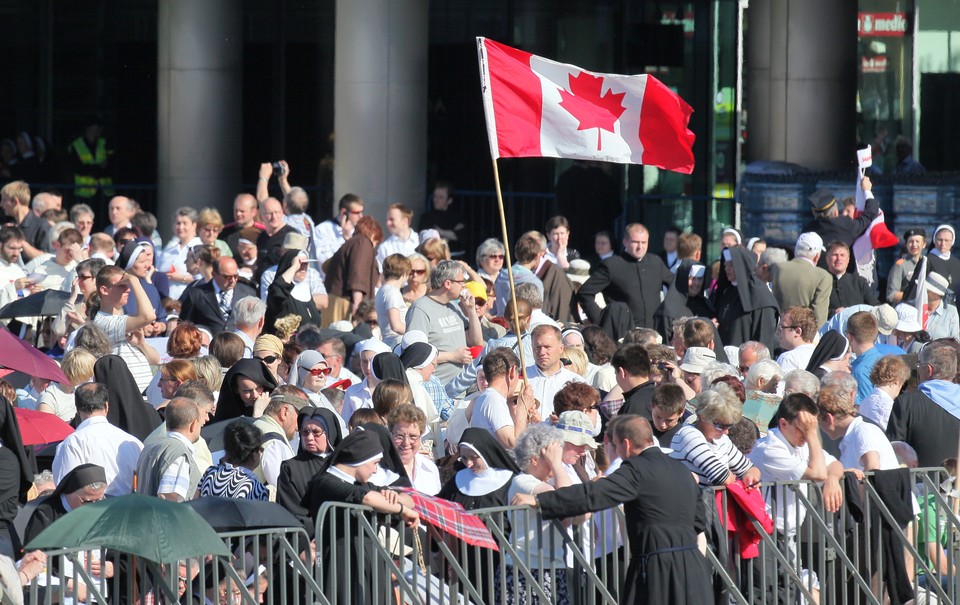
x: 269, y: 359
x: 722, y: 427
x: 319, y: 372
x: 418, y: 271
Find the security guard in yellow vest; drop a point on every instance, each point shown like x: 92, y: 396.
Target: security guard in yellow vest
x: 89, y: 157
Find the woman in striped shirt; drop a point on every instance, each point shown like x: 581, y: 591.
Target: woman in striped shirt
x: 704, y: 446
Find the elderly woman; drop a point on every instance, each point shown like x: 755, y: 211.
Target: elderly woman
x: 888, y: 377
x: 762, y: 400
x: 407, y: 424
x: 209, y: 226
x: 418, y: 282
x: 309, y: 372
x: 490, y: 255
x: 174, y: 255
x: 909, y: 334
x: 705, y: 447
x: 319, y: 434
x: 234, y: 477
x: 539, y: 452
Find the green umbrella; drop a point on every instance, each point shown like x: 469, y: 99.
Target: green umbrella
x: 151, y: 528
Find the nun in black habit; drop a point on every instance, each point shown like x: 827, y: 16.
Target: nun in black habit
x: 832, y: 350
x: 320, y: 434
x: 746, y: 308
x: 285, y: 298
x: 231, y: 404
x: 345, y: 477
x: 484, y: 472
x: 684, y: 299
x: 16, y: 477
x: 56, y: 505
x: 128, y: 410
x: 663, y: 516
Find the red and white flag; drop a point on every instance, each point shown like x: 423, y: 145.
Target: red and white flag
x: 877, y: 235
x: 536, y: 107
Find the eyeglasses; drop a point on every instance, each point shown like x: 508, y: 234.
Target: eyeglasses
x: 269, y: 359
x: 372, y: 322
x: 211, y: 228
x: 90, y: 501
x: 495, y: 256
x: 319, y: 372
x: 721, y: 426
x: 459, y: 281
x: 401, y: 438
x: 357, y: 212
x: 418, y: 271
x: 315, y: 433
x: 233, y: 277
x: 83, y: 277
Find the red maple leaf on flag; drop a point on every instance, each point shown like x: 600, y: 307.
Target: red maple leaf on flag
x: 585, y: 103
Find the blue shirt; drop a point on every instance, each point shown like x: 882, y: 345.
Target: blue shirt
x: 861, y: 368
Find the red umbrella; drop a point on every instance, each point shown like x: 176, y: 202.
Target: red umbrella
x: 24, y: 357
x: 41, y: 427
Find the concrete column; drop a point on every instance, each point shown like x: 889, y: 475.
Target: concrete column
x: 199, y: 79
x: 380, y: 102
x: 801, y: 82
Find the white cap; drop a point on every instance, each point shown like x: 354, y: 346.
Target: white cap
x: 697, y: 271
x: 408, y: 339
x: 809, y: 242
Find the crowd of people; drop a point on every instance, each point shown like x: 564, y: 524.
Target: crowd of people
x: 279, y: 358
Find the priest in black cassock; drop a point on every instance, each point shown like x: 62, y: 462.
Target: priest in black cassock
x: 661, y: 501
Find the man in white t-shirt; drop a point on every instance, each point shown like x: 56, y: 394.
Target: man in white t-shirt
x: 491, y: 410
x: 863, y: 446
x: 547, y: 375
x: 797, y: 329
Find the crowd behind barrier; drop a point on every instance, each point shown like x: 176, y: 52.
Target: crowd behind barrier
x: 811, y: 556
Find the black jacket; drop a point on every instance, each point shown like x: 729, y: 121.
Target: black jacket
x: 623, y: 278
x: 201, y: 305
x: 848, y: 290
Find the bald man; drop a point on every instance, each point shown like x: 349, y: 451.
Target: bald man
x: 211, y: 304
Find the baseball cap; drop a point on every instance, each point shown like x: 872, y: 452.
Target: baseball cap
x: 809, y: 242
x: 886, y: 318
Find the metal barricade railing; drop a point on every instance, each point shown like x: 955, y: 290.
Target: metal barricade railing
x: 269, y: 566
x: 812, y: 555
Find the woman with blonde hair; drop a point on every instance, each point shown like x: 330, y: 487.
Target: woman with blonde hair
x: 57, y: 398
x: 209, y: 371
x: 418, y: 281
x: 209, y: 226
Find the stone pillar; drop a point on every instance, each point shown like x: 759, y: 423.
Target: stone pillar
x: 380, y: 103
x: 801, y: 82
x: 199, y: 92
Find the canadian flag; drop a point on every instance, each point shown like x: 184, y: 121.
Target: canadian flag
x: 536, y: 107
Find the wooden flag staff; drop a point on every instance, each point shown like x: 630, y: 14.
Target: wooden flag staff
x: 507, y: 260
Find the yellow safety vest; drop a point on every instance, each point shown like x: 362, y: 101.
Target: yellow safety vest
x: 85, y: 186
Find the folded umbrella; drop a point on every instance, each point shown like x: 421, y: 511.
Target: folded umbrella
x: 40, y: 427
x: 42, y: 304
x: 452, y: 518
x: 234, y: 514
x: 21, y: 356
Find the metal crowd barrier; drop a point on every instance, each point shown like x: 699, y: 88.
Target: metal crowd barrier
x: 358, y: 556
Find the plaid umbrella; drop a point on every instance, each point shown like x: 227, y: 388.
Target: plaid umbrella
x: 452, y: 518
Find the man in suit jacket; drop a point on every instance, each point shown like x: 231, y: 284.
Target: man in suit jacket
x: 800, y: 282
x: 632, y: 277
x: 211, y: 304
